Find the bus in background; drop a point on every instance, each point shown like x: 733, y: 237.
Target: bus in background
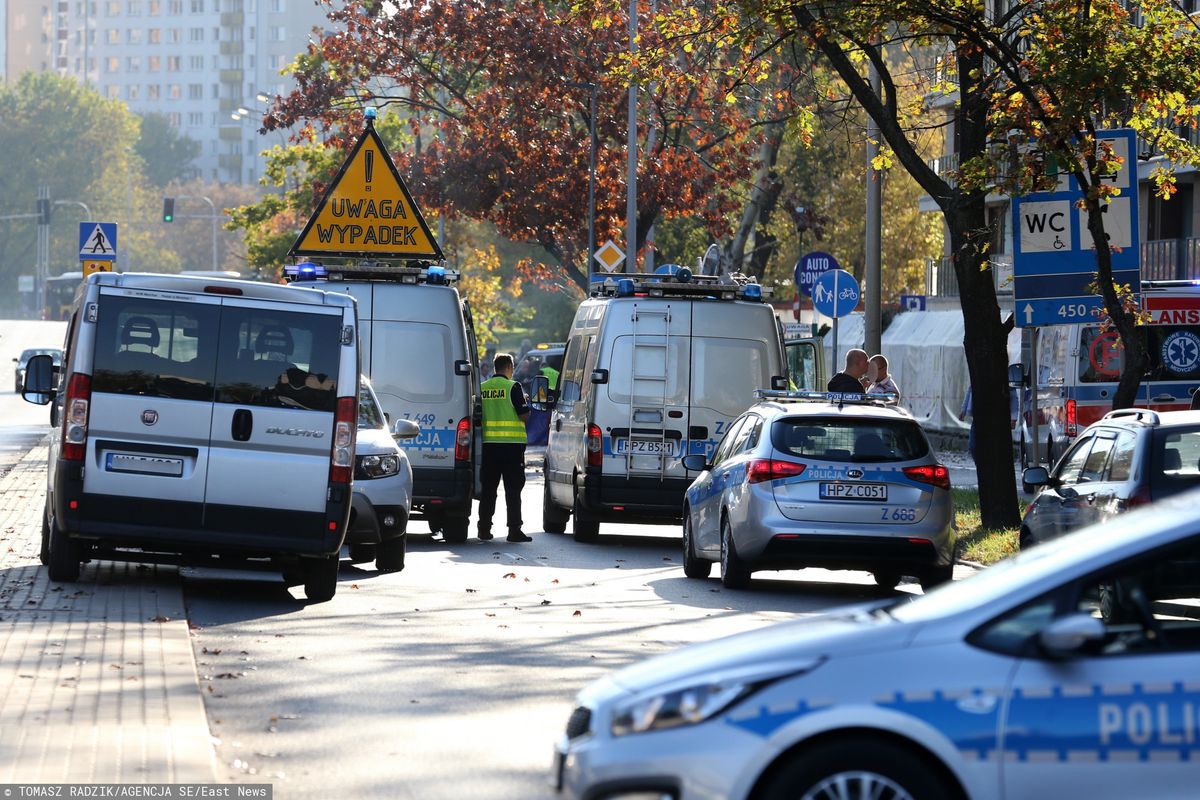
x: 1079, y: 366
x: 60, y: 295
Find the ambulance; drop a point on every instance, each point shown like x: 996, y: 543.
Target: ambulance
x: 1079, y: 367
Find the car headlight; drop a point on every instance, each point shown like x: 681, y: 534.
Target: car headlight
x: 678, y: 706
x: 377, y: 466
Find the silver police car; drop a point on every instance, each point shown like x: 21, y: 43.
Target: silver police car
x: 1072, y: 669
x: 809, y: 479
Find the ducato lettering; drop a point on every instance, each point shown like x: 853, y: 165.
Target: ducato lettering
x: 306, y: 434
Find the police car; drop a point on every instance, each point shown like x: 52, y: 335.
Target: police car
x: 811, y: 479
x: 1020, y: 682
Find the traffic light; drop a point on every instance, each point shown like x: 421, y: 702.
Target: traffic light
x: 44, y: 209
x: 168, y: 209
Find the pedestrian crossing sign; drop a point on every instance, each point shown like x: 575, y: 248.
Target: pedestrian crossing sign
x: 98, y: 240
x: 367, y: 211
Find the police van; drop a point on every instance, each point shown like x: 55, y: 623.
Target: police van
x: 655, y: 369
x: 200, y: 417
x: 418, y: 347
x: 1079, y: 367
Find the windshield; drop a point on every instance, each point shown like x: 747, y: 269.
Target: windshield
x: 852, y: 440
x: 48, y: 351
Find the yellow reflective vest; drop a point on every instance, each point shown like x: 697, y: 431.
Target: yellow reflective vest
x: 500, y: 421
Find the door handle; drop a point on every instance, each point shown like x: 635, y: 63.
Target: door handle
x: 242, y: 425
x: 1162, y: 398
x: 558, y: 424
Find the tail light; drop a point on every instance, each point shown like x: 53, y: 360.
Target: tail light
x: 932, y: 474
x: 768, y: 469
x: 462, y: 440
x: 1072, y: 418
x: 595, y: 446
x: 341, y: 458
x: 75, y: 417
x: 1140, y: 497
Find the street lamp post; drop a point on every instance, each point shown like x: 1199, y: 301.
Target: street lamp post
x: 213, y: 213
x: 591, y: 246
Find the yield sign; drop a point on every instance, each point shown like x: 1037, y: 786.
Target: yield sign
x: 367, y: 211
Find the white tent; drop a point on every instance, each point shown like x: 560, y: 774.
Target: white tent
x: 926, y: 358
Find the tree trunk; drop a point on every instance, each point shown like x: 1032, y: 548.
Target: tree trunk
x: 735, y: 252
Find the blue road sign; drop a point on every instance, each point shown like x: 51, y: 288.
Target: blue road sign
x: 912, y: 302
x: 835, y: 293
x: 97, y: 240
x: 1053, y: 257
x: 809, y: 267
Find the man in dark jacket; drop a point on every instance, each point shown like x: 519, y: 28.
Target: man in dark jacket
x: 849, y: 380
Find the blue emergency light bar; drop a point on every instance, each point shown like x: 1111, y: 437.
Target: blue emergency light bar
x: 680, y: 283
x: 304, y: 271
x: 840, y: 398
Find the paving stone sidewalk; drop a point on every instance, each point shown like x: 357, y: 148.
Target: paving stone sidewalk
x: 97, y: 678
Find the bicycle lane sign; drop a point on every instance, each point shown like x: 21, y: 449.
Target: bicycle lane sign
x: 835, y: 293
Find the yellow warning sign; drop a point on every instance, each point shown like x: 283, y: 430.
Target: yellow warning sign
x: 367, y: 211
x: 97, y: 265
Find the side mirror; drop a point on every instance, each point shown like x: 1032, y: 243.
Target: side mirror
x: 779, y: 383
x: 1018, y: 376
x: 544, y: 398
x: 462, y: 367
x: 39, y: 380
x: 405, y: 429
x: 1066, y: 636
x: 599, y: 376
x: 695, y: 462
x: 1036, y: 476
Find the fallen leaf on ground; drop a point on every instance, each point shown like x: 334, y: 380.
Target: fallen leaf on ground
x: 554, y: 581
x: 545, y: 602
x: 510, y: 574
x: 579, y: 613
x: 472, y: 591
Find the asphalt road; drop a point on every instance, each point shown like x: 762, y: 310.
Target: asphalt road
x: 21, y: 424
x: 453, y: 678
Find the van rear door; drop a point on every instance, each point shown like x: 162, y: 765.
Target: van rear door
x: 805, y: 364
x: 278, y: 368
x: 153, y: 370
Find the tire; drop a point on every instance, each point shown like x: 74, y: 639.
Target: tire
x: 44, y: 550
x: 554, y: 519
x: 734, y: 572
x: 584, y: 528
x: 936, y: 576
x: 875, y: 768
x: 62, y: 557
x: 435, y: 520
x: 693, y: 566
x: 390, y: 557
x: 361, y: 553
x: 886, y: 580
x: 454, y: 529
x: 320, y: 578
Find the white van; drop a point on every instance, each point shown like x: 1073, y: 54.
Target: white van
x: 418, y: 347
x: 655, y: 369
x: 196, y: 417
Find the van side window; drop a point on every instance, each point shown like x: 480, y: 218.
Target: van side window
x: 279, y: 359
x: 569, y: 390
x: 155, y: 348
x: 589, y: 366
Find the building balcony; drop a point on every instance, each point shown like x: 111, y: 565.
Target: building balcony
x: 232, y: 48
x: 1171, y: 259
x: 231, y: 76
x: 230, y: 133
x: 942, y: 281
x: 231, y: 161
x: 945, y: 166
x: 232, y: 19
x: 231, y: 104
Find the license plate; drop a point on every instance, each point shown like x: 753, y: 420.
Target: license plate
x: 144, y: 465
x: 643, y: 448
x: 854, y: 491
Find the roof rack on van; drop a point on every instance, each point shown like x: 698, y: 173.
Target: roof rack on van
x: 680, y: 284
x: 1138, y: 414
x: 841, y: 398
x: 370, y: 271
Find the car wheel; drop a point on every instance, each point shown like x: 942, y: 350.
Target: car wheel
x: 62, y: 557
x: 886, y: 580
x: 860, y: 769
x: 320, y: 578
x: 936, y: 577
x: 361, y: 553
x: 734, y: 572
x: 585, y: 528
x: 693, y: 567
x: 554, y: 519
x: 435, y: 520
x: 390, y: 557
x: 454, y: 529
x: 44, y: 551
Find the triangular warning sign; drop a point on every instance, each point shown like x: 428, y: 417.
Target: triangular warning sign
x: 367, y: 211
x: 97, y: 245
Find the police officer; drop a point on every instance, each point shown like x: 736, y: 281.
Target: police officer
x: 505, y: 410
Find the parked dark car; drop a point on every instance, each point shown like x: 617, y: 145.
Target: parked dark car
x: 19, y: 369
x: 1129, y: 458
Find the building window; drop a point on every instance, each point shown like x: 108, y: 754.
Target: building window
x: 173, y: 118
x: 154, y: 6
x: 216, y: 91
x: 195, y: 34
x: 133, y: 91
x: 133, y: 64
x: 277, y: 6
x: 173, y: 63
x: 175, y: 7
x: 196, y: 63
x: 250, y: 33
x: 153, y: 63
x: 154, y: 36
x: 196, y: 92
x: 195, y: 118
x: 174, y: 35
x: 113, y: 8
x: 216, y: 34
x: 197, y: 6
x: 133, y: 36
x: 112, y: 36
x: 113, y: 91
x: 153, y: 92
x: 133, y: 8
x: 175, y: 92
x: 278, y: 33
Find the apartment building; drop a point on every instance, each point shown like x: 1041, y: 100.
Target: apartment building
x: 211, y: 66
